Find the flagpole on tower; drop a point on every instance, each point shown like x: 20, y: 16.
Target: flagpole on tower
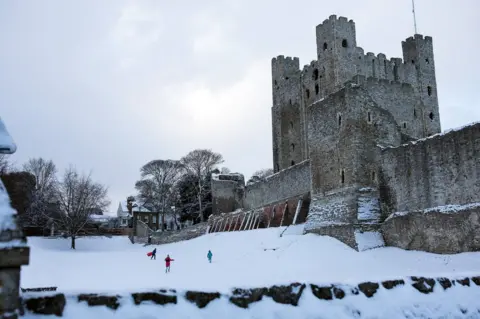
x: 414, y: 18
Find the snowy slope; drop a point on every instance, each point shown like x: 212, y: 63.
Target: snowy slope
x: 240, y: 259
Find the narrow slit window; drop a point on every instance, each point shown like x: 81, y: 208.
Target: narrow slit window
x: 429, y: 90
x: 343, y: 176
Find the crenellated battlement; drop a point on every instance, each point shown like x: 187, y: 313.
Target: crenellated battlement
x: 334, y: 18
x: 286, y: 64
x: 405, y: 86
x: 418, y: 37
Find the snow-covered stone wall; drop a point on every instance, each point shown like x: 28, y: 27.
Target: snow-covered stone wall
x: 408, y: 297
x: 285, y: 184
x: 446, y: 229
x: 439, y: 170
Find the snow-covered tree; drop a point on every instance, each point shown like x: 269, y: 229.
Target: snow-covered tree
x: 157, y: 187
x: 199, y: 163
x: 78, y: 195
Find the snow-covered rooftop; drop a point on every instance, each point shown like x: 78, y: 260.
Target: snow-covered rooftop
x: 7, y: 146
x: 136, y: 207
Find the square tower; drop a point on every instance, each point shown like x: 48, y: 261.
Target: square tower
x: 418, y: 51
x: 336, y: 45
x: 288, y: 128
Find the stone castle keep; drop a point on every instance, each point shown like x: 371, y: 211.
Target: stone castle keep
x: 357, y: 152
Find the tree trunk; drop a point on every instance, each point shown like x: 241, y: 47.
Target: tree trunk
x: 73, y: 242
x: 200, y: 200
x: 163, y: 221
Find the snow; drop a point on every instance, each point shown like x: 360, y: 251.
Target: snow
x: 399, y: 303
x: 368, y: 208
x: 436, y: 135
x: 13, y: 244
x: 368, y: 240
x: 123, y: 210
x: 445, y: 209
x: 114, y: 264
x: 6, y: 211
x: 6, y: 142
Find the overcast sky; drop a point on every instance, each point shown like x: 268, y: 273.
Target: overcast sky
x: 110, y: 85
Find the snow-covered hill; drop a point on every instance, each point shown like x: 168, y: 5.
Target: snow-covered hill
x: 254, y: 258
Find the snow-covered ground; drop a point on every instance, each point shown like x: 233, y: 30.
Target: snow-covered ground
x: 256, y: 258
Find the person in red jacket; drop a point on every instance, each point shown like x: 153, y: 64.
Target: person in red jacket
x: 167, y: 263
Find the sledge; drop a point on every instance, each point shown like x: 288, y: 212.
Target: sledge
x: 149, y: 254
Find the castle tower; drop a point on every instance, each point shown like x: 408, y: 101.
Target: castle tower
x: 419, y: 51
x: 336, y: 45
x: 287, y: 113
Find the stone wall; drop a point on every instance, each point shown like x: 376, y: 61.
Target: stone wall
x: 281, y: 186
x: 440, y: 170
x: 401, y: 101
x: 227, y: 192
x: 344, y: 130
x: 423, y: 297
x: 443, y: 230
x: 173, y: 236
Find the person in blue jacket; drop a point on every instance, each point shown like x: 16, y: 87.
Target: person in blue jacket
x: 209, y: 256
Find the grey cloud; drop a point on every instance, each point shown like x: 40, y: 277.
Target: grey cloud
x: 110, y: 85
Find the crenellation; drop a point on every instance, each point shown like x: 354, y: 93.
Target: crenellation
x: 337, y: 124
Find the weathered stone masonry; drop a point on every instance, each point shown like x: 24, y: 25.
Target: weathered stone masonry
x: 346, y: 118
x: 435, y: 171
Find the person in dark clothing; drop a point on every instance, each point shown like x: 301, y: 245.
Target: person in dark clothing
x: 167, y: 263
x: 154, y: 254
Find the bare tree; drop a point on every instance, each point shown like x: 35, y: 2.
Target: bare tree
x: 262, y: 173
x: 5, y: 165
x: 43, y: 193
x: 157, y: 186
x: 199, y: 163
x: 77, y: 195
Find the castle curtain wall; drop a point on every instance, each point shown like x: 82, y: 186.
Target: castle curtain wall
x: 281, y: 186
x: 436, y: 171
